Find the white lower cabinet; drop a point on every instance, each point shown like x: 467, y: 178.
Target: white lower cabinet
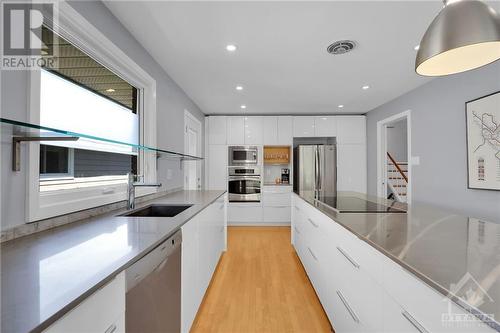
x: 361, y: 289
x: 103, y: 311
x: 276, y: 201
x: 203, y: 240
x: 244, y: 213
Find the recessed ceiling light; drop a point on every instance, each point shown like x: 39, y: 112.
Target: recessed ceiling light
x: 110, y: 90
x: 243, y: 106
x: 231, y: 47
x: 239, y: 88
x: 366, y: 87
x: 417, y: 47
x: 341, y: 106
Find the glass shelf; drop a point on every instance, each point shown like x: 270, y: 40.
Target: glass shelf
x: 22, y: 131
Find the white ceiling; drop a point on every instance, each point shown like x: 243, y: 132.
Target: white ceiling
x: 281, y: 60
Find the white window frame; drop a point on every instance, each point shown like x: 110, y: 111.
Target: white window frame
x: 77, y: 30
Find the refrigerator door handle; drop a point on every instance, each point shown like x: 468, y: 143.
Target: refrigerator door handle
x: 316, y: 171
x: 320, y: 169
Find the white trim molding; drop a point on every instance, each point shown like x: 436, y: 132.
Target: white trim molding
x: 382, y: 149
x: 188, y: 116
x: 77, y: 30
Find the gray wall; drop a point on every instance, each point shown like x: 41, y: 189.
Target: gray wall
x: 171, y: 102
x: 397, y: 143
x: 438, y: 137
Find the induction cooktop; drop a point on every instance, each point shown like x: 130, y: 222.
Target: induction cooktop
x: 356, y: 205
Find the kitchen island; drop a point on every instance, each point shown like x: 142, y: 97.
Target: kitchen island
x: 421, y: 264
x: 46, y: 275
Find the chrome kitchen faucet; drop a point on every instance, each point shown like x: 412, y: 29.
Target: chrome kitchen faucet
x: 131, y: 188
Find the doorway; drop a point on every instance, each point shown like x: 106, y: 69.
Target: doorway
x: 192, y: 146
x: 394, y: 179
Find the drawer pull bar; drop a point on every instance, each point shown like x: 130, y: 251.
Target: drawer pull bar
x: 111, y: 329
x: 312, y: 253
x: 351, y: 311
x: 414, y: 322
x: 312, y: 222
x: 297, y: 208
x: 348, y: 257
x: 297, y: 230
x: 221, y: 206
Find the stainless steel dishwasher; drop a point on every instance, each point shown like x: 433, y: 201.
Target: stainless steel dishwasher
x: 153, y: 301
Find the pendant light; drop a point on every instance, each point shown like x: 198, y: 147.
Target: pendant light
x: 463, y: 36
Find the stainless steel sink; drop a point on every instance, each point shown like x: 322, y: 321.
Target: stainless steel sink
x: 158, y: 211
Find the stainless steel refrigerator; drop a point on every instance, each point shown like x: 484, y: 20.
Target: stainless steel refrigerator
x: 315, y: 169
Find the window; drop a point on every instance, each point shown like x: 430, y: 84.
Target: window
x: 55, y: 162
x: 97, y: 90
x: 85, y: 97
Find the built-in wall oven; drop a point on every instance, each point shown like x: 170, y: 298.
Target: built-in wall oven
x: 244, y: 184
x: 242, y: 155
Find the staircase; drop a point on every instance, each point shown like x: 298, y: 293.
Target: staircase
x: 397, y: 179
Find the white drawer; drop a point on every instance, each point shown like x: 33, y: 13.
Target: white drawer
x: 356, y: 251
x: 103, y: 310
x: 424, y: 304
x: 276, y: 199
x: 277, y: 189
x: 244, y: 213
x: 276, y: 214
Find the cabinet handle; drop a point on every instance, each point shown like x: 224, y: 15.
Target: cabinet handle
x: 297, y: 230
x: 111, y: 329
x: 414, y: 322
x: 221, y: 229
x: 312, y: 253
x: 348, y: 257
x: 351, y: 311
x: 221, y: 206
x: 312, y: 222
x: 297, y: 208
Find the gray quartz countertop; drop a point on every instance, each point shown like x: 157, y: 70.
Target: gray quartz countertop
x: 45, y: 275
x: 439, y: 248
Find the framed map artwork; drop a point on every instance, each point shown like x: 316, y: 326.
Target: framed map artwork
x: 483, y: 142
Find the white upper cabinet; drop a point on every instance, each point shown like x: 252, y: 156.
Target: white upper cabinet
x: 217, y: 167
x: 351, y: 130
x: 325, y: 126
x: 217, y: 130
x: 351, y: 168
x: 285, y: 128
x: 253, y: 130
x: 270, y: 130
x: 235, y: 130
x: 303, y: 126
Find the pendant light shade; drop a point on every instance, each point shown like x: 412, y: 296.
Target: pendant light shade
x: 465, y: 35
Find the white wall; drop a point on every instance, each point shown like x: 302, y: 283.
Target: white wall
x: 171, y: 103
x: 439, y: 138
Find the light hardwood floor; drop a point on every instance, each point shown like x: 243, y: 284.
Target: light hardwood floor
x: 260, y: 286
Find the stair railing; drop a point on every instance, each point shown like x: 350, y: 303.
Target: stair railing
x: 398, y: 167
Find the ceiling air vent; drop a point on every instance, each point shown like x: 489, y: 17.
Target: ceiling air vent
x: 341, y: 47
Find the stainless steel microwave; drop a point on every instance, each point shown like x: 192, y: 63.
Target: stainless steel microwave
x: 242, y: 155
